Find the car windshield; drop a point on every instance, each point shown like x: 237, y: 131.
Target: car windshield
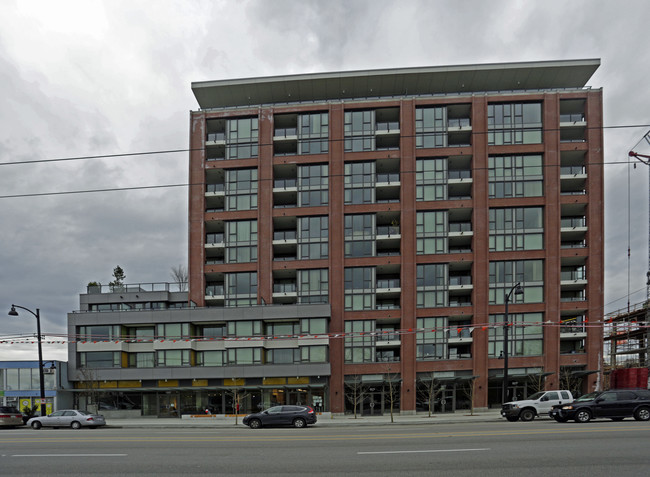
x: 83, y: 413
x: 587, y: 397
x: 535, y: 396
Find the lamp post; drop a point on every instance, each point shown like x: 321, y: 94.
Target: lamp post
x: 517, y: 290
x: 13, y: 312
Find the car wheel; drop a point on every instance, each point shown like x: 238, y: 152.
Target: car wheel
x: 642, y: 414
x: 617, y: 418
x: 561, y: 419
x: 583, y: 416
x: 299, y: 422
x: 75, y: 425
x: 512, y: 418
x: 527, y: 415
x: 36, y: 425
x: 255, y: 424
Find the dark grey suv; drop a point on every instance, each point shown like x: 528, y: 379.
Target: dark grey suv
x: 296, y: 416
x: 616, y: 404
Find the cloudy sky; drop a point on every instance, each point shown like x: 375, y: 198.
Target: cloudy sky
x: 108, y: 78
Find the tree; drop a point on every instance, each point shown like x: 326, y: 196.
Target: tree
x: 469, y: 389
x: 537, y: 382
x: 391, y: 389
x: 90, y: 384
x: 428, y: 390
x: 569, y: 381
x: 118, y: 277
x: 179, y: 275
x: 354, y: 391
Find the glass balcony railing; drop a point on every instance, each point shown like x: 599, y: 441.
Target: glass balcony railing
x: 459, y: 174
x: 388, y: 230
x: 571, y: 222
x: 572, y: 328
x: 215, y: 187
x: 572, y: 118
x: 389, y: 178
x: 460, y: 280
x: 573, y: 275
x: 284, y: 288
x: 459, y: 333
x: 285, y: 132
x: 218, y: 136
x: 572, y: 170
x: 214, y: 290
x: 458, y: 122
x: 388, y: 283
x: 284, y: 235
x: 285, y: 183
x: 388, y: 126
x: 214, y: 238
x: 460, y: 226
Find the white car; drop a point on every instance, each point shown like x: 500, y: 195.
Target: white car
x: 68, y: 418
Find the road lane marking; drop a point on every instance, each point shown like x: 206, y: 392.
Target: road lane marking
x: 420, y: 451
x: 69, y: 455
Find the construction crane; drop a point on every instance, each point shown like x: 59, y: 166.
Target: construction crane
x: 645, y: 158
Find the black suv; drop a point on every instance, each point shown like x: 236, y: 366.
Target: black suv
x: 616, y: 404
x: 296, y: 416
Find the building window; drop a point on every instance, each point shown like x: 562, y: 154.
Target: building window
x: 359, y: 130
x: 360, y: 235
x: 241, y: 289
x: 210, y: 358
x: 359, y: 285
x: 242, y: 138
x: 212, y: 331
x: 313, y: 133
x: 141, y: 360
x: 432, y: 284
x: 360, y: 341
x: 244, y: 356
x: 432, y: 343
x: 241, y: 241
x: 99, y: 332
x: 431, y: 232
x: 515, y: 176
x: 431, y: 179
x: 520, y: 228
x: 173, y: 331
x: 431, y: 127
x: 525, y: 335
x: 314, y: 354
x: 360, y: 182
x: 504, y: 274
x: 514, y: 123
x: 172, y: 357
x: 313, y: 326
x: 241, y: 189
x: 244, y: 328
x: 282, y: 328
x: 313, y: 237
x: 313, y: 286
x: 99, y: 359
x: 313, y: 185
x: 282, y: 356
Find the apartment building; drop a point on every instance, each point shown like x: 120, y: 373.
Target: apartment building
x: 353, y: 237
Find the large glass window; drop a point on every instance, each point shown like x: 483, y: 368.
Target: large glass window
x: 360, y: 235
x: 432, y: 284
x: 241, y: 241
x: 360, y: 341
x: 99, y: 332
x: 431, y: 127
x: 514, y: 123
x: 242, y: 138
x: 505, y: 274
x: 431, y: 232
x: 99, y: 359
x: 241, y: 289
x: 359, y: 130
x: 173, y: 331
x: 282, y: 356
x: 313, y: 286
x: 313, y: 237
x: 359, y: 285
x: 244, y: 356
x: 360, y: 182
x: 314, y: 354
x: 210, y: 358
x: 313, y: 326
x: 515, y: 176
x: 245, y: 328
x: 525, y: 334
x: 241, y: 189
x: 313, y: 133
x: 173, y: 357
x: 431, y: 179
x: 141, y: 360
x: 432, y: 343
x: 313, y: 185
x: 520, y: 228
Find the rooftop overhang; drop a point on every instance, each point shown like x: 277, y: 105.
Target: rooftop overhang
x: 460, y: 79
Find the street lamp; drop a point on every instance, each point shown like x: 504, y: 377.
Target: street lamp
x: 13, y: 312
x: 517, y: 290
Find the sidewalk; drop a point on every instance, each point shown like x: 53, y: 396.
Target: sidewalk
x: 324, y: 420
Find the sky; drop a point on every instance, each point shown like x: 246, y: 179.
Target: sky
x: 81, y: 79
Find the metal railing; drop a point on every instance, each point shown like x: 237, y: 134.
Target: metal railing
x: 137, y: 287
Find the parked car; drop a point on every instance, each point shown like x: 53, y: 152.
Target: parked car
x: 296, y: 416
x: 68, y: 418
x: 10, y: 417
x: 538, y: 404
x: 616, y: 404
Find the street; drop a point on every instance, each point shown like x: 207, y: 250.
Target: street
x: 599, y: 448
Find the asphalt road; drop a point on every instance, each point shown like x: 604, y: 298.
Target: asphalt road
x: 539, y: 448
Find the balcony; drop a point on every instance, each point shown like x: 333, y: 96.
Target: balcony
x: 215, y: 295
x: 214, y: 240
x: 215, y: 138
x: 573, y: 279
x: 460, y: 283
